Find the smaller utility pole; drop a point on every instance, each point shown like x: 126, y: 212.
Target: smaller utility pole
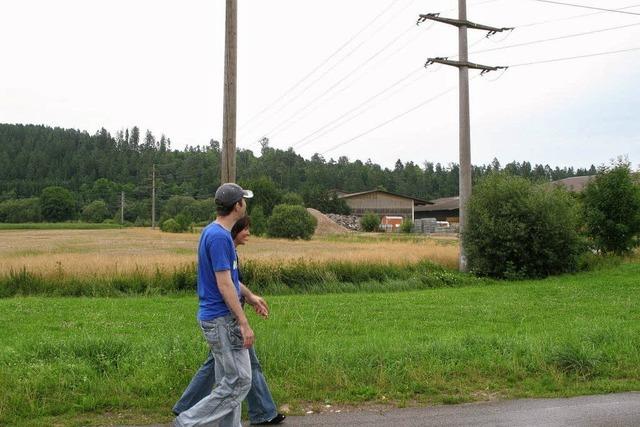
x: 122, y: 208
x: 153, y: 197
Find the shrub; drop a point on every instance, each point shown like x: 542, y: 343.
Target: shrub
x: 177, y: 204
x: 611, y: 206
x: 202, y: 210
x: 95, y: 211
x: 517, y: 229
x: 20, y: 210
x: 184, y: 222
x: 170, y: 226
x: 292, y: 199
x: 370, y: 222
x: 266, y: 194
x: 291, y: 222
x: 406, y: 226
x: 57, y: 204
x: 258, y: 221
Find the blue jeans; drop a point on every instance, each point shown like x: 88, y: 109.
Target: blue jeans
x: 261, y: 405
x: 233, y: 370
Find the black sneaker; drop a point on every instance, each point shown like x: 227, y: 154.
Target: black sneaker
x: 275, y: 420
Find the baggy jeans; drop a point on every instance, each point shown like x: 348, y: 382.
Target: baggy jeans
x: 233, y: 371
x: 259, y: 400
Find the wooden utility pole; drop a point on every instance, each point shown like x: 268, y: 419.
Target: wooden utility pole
x: 464, y: 116
x: 228, y: 168
x: 153, y: 197
x: 122, y: 208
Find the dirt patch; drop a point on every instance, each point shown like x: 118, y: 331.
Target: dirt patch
x: 325, y: 224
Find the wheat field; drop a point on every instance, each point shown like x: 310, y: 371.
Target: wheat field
x: 81, y: 253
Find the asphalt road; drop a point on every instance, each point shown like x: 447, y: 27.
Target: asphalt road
x: 607, y: 410
x: 611, y: 410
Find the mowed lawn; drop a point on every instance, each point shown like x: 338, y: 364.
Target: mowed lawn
x: 83, y: 361
x: 90, y: 253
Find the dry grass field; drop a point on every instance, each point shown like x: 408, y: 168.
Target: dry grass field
x: 105, y: 252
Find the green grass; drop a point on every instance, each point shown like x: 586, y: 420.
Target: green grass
x: 274, y: 279
x: 57, y: 226
x: 362, y: 237
x: 81, y: 361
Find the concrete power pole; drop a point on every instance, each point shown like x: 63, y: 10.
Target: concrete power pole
x: 228, y: 169
x: 464, y: 183
x: 153, y: 197
x: 464, y: 116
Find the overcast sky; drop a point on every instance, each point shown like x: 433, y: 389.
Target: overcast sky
x: 87, y: 64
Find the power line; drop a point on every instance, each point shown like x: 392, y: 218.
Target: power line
x: 412, y: 109
x: 588, y: 7
x: 454, y: 87
x: 278, y: 128
x: 363, y: 29
x: 549, y: 21
x: 602, y: 30
x: 283, y: 125
x: 301, y: 142
x: 575, y: 57
x: 319, y: 132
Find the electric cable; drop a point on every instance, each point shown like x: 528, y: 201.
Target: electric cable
x: 325, y: 61
x: 587, y: 7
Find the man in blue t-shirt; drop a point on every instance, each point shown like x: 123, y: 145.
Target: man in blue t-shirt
x: 223, y: 322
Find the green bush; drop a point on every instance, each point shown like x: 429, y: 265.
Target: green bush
x: 177, y: 204
x: 57, y: 204
x: 171, y: 226
x: 202, y: 210
x: 292, y: 199
x: 611, y: 206
x: 20, y: 210
x: 406, y: 226
x: 291, y: 222
x: 266, y: 194
x: 517, y: 229
x: 95, y: 211
x: 258, y: 221
x: 370, y: 222
x: 184, y: 222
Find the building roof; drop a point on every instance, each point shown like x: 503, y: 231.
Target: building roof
x: 416, y: 200
x: 575, y: 183
x: 442, y: 204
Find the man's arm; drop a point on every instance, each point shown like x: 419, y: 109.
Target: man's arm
x: 228, y: 291
x: 258, y: 303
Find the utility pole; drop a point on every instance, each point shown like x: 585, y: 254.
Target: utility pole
x: 122, y: 208
x: 153, y: 197
x: 228, y: 168
x: 464, y: 116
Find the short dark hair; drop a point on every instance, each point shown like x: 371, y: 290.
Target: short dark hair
x: 222, y: 210
x: 241, y: 224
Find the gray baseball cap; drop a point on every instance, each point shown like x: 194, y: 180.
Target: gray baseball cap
x: 229, y: 193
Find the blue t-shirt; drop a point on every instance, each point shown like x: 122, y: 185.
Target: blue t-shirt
x: 215, y: 253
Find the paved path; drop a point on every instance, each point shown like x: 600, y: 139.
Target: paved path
x: 608, y: 410
x: 619, y: 410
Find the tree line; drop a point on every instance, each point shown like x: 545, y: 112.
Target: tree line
x: 100, y: 167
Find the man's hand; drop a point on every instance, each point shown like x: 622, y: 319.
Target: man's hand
x: 247, y: 335
x: 258, y: 304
